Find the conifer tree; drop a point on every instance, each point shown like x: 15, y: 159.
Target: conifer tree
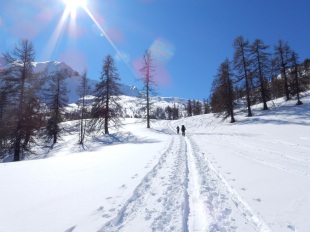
x: 169, y: 112
x: 295, y: 70
x: 223, y: 95
x: 82, y: 91
x: 4, y: 116
x: 197, y: 107
x: 175, y: 112
x: 57, y: 99
x: 189, y: 108
x: 21, y: 80
x: 282, y: 56
x: 261, y: 68
x: 206, y: 107
x: 148, y: 80
x: 106, y: 108
x: 242, y: 66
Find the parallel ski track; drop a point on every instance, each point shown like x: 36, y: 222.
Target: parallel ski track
x: 147, y: 200
x: 191, y: 191
x: 212, y: 200
x: 220, y: 199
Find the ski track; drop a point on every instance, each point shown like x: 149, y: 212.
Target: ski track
x: 242, y: 150
x: 184, y: 192
x: 148, y: 202
x: 223, y: 204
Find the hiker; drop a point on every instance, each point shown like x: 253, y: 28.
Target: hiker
x: 178, y: 129
x: 183, y: 130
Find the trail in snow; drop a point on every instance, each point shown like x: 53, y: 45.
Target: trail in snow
x: 162, y: 208
x: 184, y: 192
x: 223, y: 204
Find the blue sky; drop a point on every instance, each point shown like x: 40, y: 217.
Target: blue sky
x: 189, y: 38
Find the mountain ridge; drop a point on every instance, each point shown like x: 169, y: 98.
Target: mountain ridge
x: 74, y: 78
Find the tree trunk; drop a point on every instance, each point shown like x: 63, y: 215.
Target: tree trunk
x: 17, y: 148
x: 247, y: 86
x: 55, y: 138
x: 147, y: 107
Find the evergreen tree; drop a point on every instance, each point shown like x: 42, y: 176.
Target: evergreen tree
x: 223, y: 91
x: 295, y: 70
x: 82, y: 91
x: 282, y: 56
x: 197, y: 108
x: 21, y: 80
x: 147, y: 79
x: 175, y: 112
x: 169, y: 112
x: 189, y: 108
x: 160, y: 113
x: 242, y: 65
x: 305, y: 75
x: 106, y: 109
x: 5, y: 89
x: 56, y: 97
x: 306, y: 67
x: 206, y: 107
x: 261, y: 68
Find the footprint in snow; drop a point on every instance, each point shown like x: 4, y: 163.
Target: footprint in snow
x: 100, y: 208
x: 291, y: 227
x: 258, y: 200
x: 135, y: 176
x: 244, y: 189
x: 106, y: 215
x: 123, y: 186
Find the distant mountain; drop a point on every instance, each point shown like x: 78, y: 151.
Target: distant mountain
x: 74, y: 78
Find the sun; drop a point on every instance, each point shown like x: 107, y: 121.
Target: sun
x: 74, y: 4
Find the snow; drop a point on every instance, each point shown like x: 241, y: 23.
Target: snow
x: 253, y: 175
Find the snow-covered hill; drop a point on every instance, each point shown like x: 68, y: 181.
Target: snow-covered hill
x: 249, y: 176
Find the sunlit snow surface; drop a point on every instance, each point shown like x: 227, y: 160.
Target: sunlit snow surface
x: 253, y: 175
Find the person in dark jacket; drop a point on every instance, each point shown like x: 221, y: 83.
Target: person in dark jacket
x: 178, y: 129
x: 183, y: 130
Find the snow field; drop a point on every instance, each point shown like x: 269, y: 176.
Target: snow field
x: 251, y: 176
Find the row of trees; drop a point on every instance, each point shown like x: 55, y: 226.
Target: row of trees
x: 29, y: 101
x: 195, y: 107
x: 258, y: 75
x: 34, y: 103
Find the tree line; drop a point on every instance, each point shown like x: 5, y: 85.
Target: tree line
x: 34, y: 103
x: 257, y: 75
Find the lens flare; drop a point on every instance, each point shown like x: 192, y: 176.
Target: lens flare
x: 162, y: 49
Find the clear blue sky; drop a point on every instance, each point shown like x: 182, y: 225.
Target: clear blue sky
x: 189, y: 38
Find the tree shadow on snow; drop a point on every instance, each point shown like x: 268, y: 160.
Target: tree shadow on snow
x: 115, y: 139
x: 283, y: 115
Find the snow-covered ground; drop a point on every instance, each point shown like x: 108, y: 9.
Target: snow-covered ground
x: 253, y: 175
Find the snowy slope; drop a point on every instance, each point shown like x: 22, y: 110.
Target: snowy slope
x: 253, y: 175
